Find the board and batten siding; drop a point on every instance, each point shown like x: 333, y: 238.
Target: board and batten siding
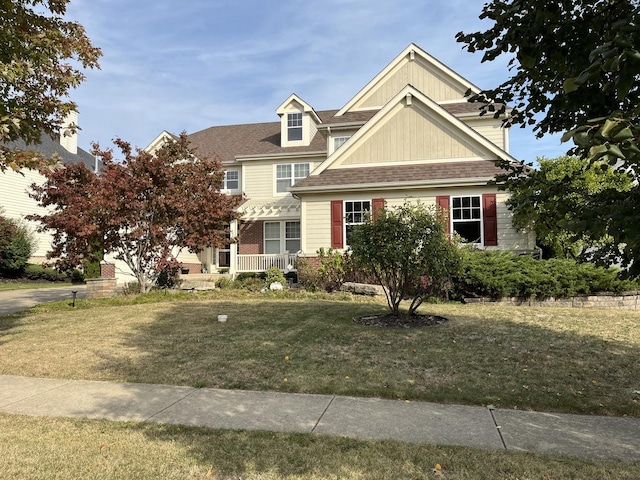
x: 418, y: 73
x: 316, y: 215
x: 411, y: 135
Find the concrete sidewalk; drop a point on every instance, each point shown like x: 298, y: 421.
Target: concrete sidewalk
x: 13, y: 301
x: 607, y: 438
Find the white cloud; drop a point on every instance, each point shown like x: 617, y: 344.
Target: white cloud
x: 177, y: 65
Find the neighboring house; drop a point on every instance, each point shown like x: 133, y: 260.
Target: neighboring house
x: 14, y: 186
x: 311, y: 176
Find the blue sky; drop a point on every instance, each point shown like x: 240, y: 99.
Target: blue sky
x: 191, y: 64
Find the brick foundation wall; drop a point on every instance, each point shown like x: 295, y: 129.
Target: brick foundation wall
x: 192, y: 267
x: 250, y: 238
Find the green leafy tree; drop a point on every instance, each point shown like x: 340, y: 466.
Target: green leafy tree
x: 575, y: 69
x: 408, y: 251
x: 550, y: 201
x: 16, y: 244
x: 42, y: 58
x: 144, y: 209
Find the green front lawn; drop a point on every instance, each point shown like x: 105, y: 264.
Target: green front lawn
x: 568, y: 360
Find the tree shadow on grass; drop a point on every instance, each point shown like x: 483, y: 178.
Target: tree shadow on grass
x: 469, y: 360
x: 315, y: 347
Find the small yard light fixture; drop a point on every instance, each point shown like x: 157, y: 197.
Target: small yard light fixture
x: 74, y: 293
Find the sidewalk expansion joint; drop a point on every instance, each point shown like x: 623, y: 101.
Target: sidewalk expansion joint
x: 323, y: 413
x: 498, y: 427
x: 149, y: 419
x: 36, y: 394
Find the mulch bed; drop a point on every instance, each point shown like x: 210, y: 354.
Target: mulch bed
x: 403, y: 321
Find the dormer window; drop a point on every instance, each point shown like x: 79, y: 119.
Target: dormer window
x: 294, y: 126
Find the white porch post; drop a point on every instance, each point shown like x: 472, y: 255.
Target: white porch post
x: 233, y: 248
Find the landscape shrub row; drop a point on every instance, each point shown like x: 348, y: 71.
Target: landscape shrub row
x: 492, y: 274
x: 37, y: 272
x: 499, y: 274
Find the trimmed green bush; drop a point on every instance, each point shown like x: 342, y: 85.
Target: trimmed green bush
x: 273, y: 275
x: 37, y: 272
x: 498, y: 274
x: 16, y: 244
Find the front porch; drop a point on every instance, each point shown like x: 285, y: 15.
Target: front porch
x: 265, y: 237
x: 263, y: 262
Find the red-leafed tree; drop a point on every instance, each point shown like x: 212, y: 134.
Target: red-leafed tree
x: 144, y: 209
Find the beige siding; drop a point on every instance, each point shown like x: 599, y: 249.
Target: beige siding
x: 418, y: 73
x: 491, y: 130
x: 258, y: 179
x: 508, y: 237
x: 316, y: 215
x: 411, y: 134
x: 17, y: 204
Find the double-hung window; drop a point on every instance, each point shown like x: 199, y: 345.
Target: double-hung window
x: 231, y: 180
x: 355, y: 213
x: 294, y: 126
x: 288, y: 174
x: 281, y: 236
x: 466, y: 217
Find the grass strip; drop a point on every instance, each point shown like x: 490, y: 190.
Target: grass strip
x: 34, y: 448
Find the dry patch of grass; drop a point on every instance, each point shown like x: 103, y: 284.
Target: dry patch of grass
x: 62, y: 448
x: 569, y: 360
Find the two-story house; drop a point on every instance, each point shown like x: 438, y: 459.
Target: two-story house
x: 310, y: 176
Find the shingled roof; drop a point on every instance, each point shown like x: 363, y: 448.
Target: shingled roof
x: 401, y: 174
x: 48, y: 147
x: 230, y: 141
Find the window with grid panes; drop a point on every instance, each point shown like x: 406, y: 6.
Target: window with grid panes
x: 355, y: 213
x: 294, y: 126
x: 466, y: 218
x: 288, y: 174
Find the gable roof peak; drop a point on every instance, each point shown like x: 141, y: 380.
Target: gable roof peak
x: 293, y: 98
x: 410, y: 54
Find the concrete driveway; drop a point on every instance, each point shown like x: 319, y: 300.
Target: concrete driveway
x: 17, y: 300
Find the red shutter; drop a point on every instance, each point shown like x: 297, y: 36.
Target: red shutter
x: 490, y: 219
x: 443, y: 203
x: 336, y: 224
x: 377, y: 205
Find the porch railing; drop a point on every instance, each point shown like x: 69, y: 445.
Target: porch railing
x: 262, y: 263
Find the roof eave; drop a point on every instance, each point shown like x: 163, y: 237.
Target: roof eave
x: 438, y: 183
x: 287, y: 155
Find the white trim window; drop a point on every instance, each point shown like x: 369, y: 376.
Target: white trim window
x: 355, y: 213
x: 280, y: 237
x: 339, y: 141
x: 466, y: 218
x: 231, y: 180
x: 287, y: 175
x: 271, y: 237
x: 294, y: 127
